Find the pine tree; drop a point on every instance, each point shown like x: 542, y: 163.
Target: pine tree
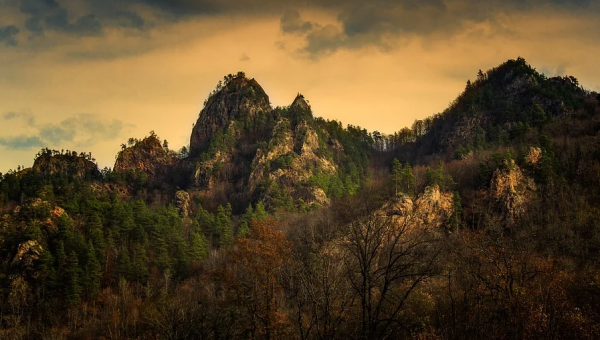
x: 206, y: 221
x: 396, y: 173
x: 260, y: 213
x: 96, y: 236
x: 407, y: 179
x: 47, y: 271
x: 65, y: 228
x: 198, y: 246
x: 140, y: 263
x: 181, y: 257
x: 92, y: 272
x: 124, y: 269
x: 223, y: 226
x: 73, y: 277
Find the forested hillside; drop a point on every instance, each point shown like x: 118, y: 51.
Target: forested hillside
x: 480, y: 222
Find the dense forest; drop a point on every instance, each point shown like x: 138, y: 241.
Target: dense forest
x: 480, y: 222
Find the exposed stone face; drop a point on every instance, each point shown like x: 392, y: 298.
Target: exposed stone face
x: 511, y: 189
x: 300, y: 147
x: 534, y: 155
x: 148, y: 156
x: 27, y: 253
x: 300, y: 103
x: 65, y: 164
x: 431, y: 210
x: 240, y: 98
x: 183, y: 203
x: 240, y: 146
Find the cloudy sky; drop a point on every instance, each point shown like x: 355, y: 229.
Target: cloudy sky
x: 86, y: 75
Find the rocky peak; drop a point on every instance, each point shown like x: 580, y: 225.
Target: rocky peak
x: 300, y: 103
x: 147, y: 156
x: 237, y: 98
x: 69, y: 163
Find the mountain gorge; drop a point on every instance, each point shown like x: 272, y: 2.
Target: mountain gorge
x: 481, y: 221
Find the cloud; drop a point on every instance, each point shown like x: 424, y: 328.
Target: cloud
x: 50, y: 15
x: 78, y: 131
x: 8, y: 35
x: 244, y: 57
x: 381, y: 23
x: 22, y: 142
x: 129, y: 19
x: 357, y: 23
x: 27, y: 117
x: 292, y: 23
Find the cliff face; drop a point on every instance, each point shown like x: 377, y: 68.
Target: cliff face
x: 70, y: 164
x: 431, y: 210
x: 512, y: 190
x: 289, y: 162
x: 242, y: 150
x: 147, y: 156
x: 240, y: 98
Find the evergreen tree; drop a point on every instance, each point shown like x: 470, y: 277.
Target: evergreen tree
x: 140, y: 263
x: 124, y: 269
x: 181, y: 257
x: 260, y: 213
x: 223, y: 226
x: 160, y: 248
x: 47, y: 270
x: 96, y: 236
x: 407, y: 179
x: 436, y: 176
x: 198, y: 246
x: 92, y: 272
x: 73, y: 277
x: 396, y: 173
x: 206, y: 221
x: 65, y: 228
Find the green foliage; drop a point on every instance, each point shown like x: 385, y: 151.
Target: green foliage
x: 92, y: 273
x: 547, y: 169
x: 198, y: 246
x: 139, y: 263
x: 495, y: 161
x: 124, y: 268
x: 403, y: 177
x: 73, y: 277
x: 437, y: 176
x: 283, y: 162
x: 223, y: 231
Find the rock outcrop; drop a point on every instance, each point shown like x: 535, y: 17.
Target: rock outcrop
x: 27, y: 253
x: 241, y: 147
x: 511, y: 190
x: 147, y: 156
x: 70, y: 164
x: 240, y: 98
x: 300, y: 103
x: 290, y: 160
x: 182, y: 201
x: 430, y: 210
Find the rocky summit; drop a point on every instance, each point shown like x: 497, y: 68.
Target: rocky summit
x: 238, y: 98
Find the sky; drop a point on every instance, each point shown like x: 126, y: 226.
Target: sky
x: 86, y: 75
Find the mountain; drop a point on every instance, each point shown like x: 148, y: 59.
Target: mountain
x: 500, y: 107
x: 243, y: 151
x: 479, y: 222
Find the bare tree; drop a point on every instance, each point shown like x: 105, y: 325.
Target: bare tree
x: 388, y: 256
